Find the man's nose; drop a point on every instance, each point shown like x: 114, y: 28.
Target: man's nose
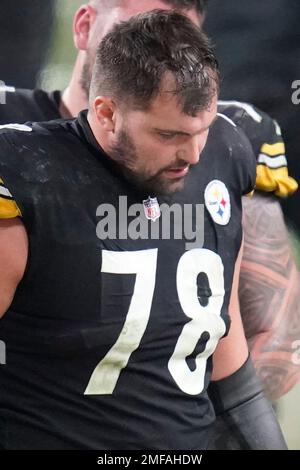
x: 190, y: 153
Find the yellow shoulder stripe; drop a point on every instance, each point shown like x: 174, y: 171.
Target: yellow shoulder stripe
x: 275, y: 180
x: 273, y: 149
x: 8, y: 207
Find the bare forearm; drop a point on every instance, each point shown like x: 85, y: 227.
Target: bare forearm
x: 269, y: 295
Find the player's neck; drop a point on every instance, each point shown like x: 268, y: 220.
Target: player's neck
x: 74, y: 98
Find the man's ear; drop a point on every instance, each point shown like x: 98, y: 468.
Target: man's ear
x: 104, y: 109
x: 83, y: 20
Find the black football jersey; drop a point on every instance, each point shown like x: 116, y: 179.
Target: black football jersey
x: 110, y: 334
x: 19, y: 106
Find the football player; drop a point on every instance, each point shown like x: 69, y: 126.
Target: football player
x: 269, y: 278
x: 110, y: 338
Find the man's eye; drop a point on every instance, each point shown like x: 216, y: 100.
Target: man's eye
x: 165, y: 135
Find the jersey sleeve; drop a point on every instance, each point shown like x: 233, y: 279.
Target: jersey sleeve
x: 11, y: 174
x: 272, y: 167
x: 8, y: 207
x: 265, y: 137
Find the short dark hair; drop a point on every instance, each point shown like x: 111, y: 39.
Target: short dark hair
x: 136, y: 55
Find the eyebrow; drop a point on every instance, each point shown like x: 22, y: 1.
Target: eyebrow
x: 172, y: 131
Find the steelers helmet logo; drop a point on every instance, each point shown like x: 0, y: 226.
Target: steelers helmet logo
x: 217, y: 202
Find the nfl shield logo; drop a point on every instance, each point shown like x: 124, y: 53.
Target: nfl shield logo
x: 151, y: 208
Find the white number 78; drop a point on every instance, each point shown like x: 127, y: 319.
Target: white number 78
x: 144, y: 264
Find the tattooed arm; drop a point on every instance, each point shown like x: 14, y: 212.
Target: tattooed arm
x: 269, y: 295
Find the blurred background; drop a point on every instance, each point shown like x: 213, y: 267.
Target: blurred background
x: 258, y: 46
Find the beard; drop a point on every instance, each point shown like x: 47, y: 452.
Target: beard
x: 86, y: 76
x: 124, y: 154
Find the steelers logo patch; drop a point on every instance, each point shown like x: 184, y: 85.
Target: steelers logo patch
x: 217, y: 202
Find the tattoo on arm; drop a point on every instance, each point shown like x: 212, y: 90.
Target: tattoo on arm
x: 269, y: 295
